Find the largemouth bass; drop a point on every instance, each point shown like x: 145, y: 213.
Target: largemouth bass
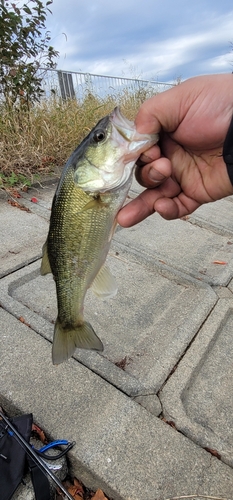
x: 92, y: 188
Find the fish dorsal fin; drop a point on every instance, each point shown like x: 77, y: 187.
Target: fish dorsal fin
x: 45, y: 267
x: 104, y: 284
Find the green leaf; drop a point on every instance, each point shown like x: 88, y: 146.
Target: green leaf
x: 27, y: 10
x: 23, y: 38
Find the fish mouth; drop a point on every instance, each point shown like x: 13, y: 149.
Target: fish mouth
x: 128, y: 131
x: 124, y: 126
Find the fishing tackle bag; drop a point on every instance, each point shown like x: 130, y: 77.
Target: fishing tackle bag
x: 14, y: 460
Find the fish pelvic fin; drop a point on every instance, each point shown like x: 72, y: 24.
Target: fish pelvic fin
x: 66, y: 340
x: 45, y: 267
x: 104, y: 284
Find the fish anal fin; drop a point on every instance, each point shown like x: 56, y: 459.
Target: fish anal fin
x: 104, y: 284
x: 45, y: 267
x: 66, y: 340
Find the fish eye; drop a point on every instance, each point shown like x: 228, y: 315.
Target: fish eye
x: 99, y: 136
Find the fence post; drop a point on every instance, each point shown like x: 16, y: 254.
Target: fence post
x: 66, y: 85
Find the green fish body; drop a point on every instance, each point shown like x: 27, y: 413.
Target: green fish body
x: 83, y: 219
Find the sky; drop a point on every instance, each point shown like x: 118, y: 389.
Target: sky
x: 159, y: 40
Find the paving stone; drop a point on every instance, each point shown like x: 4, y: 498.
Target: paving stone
x: 182, y: 246
x: 145, y: 329
x: 22, y: 236
x: 198, y: 397
x: 151, y: 403
x: 44, y: 196
x: 135, y: 189
x: 223, y: 292
x: 230, y: 286
x: 120, y: 447
x: 215, y: 216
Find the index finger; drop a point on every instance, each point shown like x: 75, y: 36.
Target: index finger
x: 144, y: 205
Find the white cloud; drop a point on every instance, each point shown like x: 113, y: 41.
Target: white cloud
x: 177, y: 52
x: 159, y: 40
x: 224, y: 62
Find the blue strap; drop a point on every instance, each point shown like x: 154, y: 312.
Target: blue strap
x: 59, y: 442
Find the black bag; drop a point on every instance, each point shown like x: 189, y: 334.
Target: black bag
x: 13, y: 460
x: 12, y: 455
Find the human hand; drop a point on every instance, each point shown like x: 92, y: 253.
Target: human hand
x: 186, y: 169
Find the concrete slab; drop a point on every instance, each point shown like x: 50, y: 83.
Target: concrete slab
x: 198, y: 397
x: 22, y: 236
x: 215, y: 216
x: 145, y: 329
x: 182, y: 246
x: 22, y: 233
x: 44, y: 196
x: 120, y: 447
x: 135, y: 188
x: 230, y: 286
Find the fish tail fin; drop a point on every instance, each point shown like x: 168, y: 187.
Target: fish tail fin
x: 66, y: 340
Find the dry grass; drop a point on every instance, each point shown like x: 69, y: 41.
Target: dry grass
x: 33, y: 143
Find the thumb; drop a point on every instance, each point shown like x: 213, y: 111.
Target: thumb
x: 163, y: 110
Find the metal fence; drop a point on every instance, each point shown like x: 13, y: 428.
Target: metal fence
x: 71, y: 84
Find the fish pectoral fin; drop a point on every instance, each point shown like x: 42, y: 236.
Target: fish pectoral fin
x: 96, y: 203
x: 104, y: 284
x: 66, y: 340
x: 45, y: 267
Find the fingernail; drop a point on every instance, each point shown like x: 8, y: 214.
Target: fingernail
x: 145, y: 158
x: 155, y: 176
